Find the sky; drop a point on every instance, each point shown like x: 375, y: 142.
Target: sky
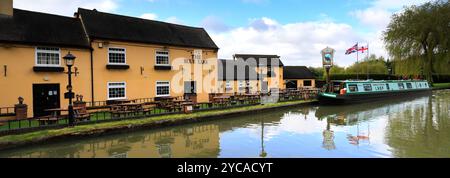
x: 296, y: 30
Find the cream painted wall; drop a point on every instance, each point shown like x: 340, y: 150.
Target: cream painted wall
x: 144, y: 85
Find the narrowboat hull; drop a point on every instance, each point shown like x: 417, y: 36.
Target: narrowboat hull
x: 325, y: 98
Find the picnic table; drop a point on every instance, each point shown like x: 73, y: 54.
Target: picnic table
x: 222, y: 100
x: 126, y: 109
x: 170, y: 103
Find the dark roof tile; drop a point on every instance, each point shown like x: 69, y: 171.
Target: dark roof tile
x: 297, y: 72
x: 100, y: 25
x: 264, y: 60
x: 26, y: 27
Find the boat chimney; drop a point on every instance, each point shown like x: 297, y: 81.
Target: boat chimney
x: 6, y: 7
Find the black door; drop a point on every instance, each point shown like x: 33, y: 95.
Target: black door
x: 45, y: 96
x: 292, y: 84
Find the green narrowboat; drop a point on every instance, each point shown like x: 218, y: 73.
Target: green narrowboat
x: 350, y: 92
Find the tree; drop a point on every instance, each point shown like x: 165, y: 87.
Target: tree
x: 420, y: 32
x: 317, y: 71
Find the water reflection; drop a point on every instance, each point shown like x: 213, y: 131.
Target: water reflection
x: 197, y: 141
x: 421, y: 130
x: 419, y: 127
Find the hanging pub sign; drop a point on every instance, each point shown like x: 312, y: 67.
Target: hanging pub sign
x: 328, y: 57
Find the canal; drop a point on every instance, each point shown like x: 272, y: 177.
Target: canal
x: 415, y: 127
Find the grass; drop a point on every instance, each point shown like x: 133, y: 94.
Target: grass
x: 441, y: 86
x: 84, y: 129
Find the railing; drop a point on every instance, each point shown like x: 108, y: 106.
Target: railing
x: 104, y: 113
x: 7, y: 111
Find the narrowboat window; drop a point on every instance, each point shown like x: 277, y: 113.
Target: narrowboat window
x: 401, y: 86
x: 116, y: 90
x: 162, y: 88
x: 162, y: 58
x: 367, y: 87
x: 116, y: 56
x: 409, y: 85
x: 426, y: 84
x: 387, y: 86
x: 353, y: 88
x: 47, y: 56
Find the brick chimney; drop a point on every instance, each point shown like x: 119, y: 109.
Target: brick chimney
x: 6, y: 7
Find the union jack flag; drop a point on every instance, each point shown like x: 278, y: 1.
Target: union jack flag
x: 352, y: 50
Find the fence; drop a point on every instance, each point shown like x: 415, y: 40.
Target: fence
x: 7, y: 111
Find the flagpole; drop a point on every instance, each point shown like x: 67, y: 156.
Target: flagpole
x: 368, y: 55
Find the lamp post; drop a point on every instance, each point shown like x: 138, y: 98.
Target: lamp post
x: 69, y: 59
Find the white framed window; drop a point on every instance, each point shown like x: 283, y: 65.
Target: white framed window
x: 117, y: 90
x: 162, y: 88
x: 198, y: 54
x: 228, y: 86
x: 162, y: 58
x: 48, y: 57
x: 117, y: 56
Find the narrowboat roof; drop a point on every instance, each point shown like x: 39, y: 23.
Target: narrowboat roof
x: 377, y: 81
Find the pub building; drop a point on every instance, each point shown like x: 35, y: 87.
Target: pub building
x: 296, y: 77
x: 117, y: 58
x: 251, y: 74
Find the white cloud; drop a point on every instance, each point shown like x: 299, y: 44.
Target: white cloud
x: 378, y: 17
x: 64, y: 7
x: 149, y: 16
x: 297, y: 43
x: 215, y: 24
x: 174, y: 20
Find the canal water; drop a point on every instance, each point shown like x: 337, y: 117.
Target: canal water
x: 415, y: 127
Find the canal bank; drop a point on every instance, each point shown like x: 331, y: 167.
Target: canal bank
x: 84, y: 131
